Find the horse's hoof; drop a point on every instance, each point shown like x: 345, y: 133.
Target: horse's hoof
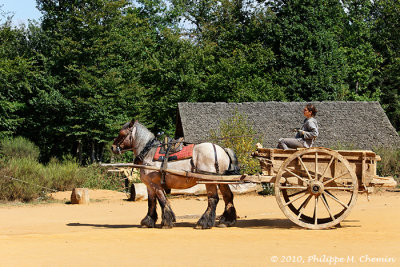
x: 166, y: 227
x: 222, y: 225
x: 148, y: 222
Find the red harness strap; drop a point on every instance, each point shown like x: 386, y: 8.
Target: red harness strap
x: 185, y: 153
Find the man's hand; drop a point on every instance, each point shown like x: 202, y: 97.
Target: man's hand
x: 301, y: 132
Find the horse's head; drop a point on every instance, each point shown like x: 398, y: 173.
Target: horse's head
x: 125, y: 138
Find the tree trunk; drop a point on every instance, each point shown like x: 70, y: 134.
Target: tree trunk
x: 93, y: 153
x: 100, y: 152
x: 79, y: 151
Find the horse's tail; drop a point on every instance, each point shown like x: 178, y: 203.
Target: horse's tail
x: 233, y: 164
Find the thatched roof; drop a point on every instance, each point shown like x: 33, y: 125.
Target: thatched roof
x: 360, y: 125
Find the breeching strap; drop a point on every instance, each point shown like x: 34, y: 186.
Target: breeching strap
x: 216, y: 159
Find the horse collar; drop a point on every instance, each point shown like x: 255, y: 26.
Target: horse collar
x: 145, y: 150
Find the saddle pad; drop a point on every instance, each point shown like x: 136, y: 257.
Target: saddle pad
x: 185, y: 153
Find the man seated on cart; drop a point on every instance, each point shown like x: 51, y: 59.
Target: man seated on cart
x: 306, y: 135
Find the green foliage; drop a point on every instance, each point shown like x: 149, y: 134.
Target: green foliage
x: 23, y: 178
x: 98, y: 178
x: 363, y: 62
x: 238, y: 134
x: 16, y: 75
x: 267, y: 189
x: 389, y: 165
x: 386, y: 41
x: 312, y: 63
x: 28, y: 171
x: 18, y: 148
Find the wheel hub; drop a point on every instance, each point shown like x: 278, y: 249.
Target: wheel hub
x: 316, y: 188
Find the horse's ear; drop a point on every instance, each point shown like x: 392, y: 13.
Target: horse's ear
x: 133, y: 121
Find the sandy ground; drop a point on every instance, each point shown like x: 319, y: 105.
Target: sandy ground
x: 106, y: 233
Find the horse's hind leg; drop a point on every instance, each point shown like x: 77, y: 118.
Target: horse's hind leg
x: 168, y: 216
x: 207, y: 220
x: 228, y: 218
x: 151, y: 218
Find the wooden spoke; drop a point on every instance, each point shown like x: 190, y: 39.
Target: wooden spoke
x: 293, y: 187
x: 323, y: 196
x: 340, y: 188
x: 327, y: 206
x: 295, y: 199
x: 299, y: 192
x: 327, y: 168
x: 336, y: 199
x: 316, y: 211
x: 305, y: 168
x: 316, y: 166
x: 303, y: 206
x: 334, y: 178
x: 297, y: 176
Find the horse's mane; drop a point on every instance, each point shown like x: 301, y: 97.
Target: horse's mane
x: 142, y: 137
x: 142, y: 133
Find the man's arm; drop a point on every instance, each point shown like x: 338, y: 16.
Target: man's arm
x: 310, y: 130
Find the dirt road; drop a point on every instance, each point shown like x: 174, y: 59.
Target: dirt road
x: 106, y: 233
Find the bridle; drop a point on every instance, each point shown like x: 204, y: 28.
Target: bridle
x: 130, y: 135
x: 150, y: 144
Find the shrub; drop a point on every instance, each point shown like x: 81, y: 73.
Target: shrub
x: 99, y: 178
x: 18, y: 147
x: 23, y: 178
x: 390, y: 163
x: 237, y: 133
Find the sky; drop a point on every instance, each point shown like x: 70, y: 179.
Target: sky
x: 23, y: 10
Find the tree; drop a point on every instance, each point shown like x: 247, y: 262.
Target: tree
x: 310, y: 61
x: 92, y: 48
x: 363, y: 62
x: 386, y: 40
x: 18, y: 78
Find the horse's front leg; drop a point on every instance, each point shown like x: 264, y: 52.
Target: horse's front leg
x: 151, y: 218
x: 228, y: 218
x: 168, y: 216
x: 207, y: 220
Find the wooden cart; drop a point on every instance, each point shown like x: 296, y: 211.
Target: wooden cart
x: 316, y: 188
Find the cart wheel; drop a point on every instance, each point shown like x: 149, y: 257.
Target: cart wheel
x: 316, y: 188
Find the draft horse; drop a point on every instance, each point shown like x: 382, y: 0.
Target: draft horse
x: 136, y: 137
